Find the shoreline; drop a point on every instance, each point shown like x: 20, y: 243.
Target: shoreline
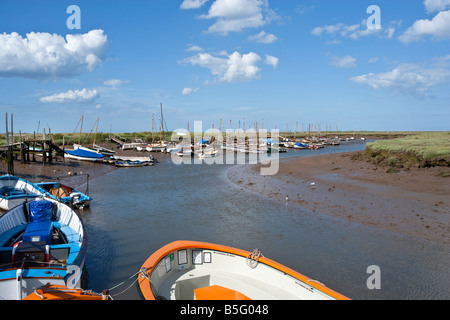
x: 413, y: 202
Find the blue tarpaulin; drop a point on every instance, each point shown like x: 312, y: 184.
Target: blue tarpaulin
x: 85, y: 154
x: 41, y: 211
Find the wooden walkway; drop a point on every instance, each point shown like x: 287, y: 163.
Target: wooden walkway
x: 27, y: 151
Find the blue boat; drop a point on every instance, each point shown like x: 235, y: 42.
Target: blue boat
x: 81, y: 154
x: 41, y: 242
x: 68, y: 195
x: 299, y: 145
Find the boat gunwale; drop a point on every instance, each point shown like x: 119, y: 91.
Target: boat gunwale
x: 157, y: 256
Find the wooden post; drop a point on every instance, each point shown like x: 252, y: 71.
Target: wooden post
x: 22, y: 149
x: 50, y: 144
x: 44, y: 153
x: 9, y: 153
x: 34, y: 147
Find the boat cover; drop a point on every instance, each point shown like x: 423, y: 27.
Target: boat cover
x: 41, y: 211
x: 85, y: 154
x: 39, y: 231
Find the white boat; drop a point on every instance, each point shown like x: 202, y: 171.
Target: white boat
x: 189, y: 270
x: 157, y: 147
x: 41, y: 242
x: 14, y: 191
x: 134, y: 144
x: 207, y: 153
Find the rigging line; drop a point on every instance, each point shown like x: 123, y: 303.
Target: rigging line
x: 73, y: 132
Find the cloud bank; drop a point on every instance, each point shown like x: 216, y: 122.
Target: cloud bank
x: 50, y: 56
x: 417, y: 80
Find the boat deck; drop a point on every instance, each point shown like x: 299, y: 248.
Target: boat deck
x: 181, y: 285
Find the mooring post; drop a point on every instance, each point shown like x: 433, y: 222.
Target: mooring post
x: 22, y: 149
x: 9, y: 152
x: 44, y: 153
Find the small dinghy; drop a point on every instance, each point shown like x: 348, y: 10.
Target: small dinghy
x: 188, y: 270
x: 65, y: 194
x: 131, y: 164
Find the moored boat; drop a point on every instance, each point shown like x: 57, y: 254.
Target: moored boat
x: 15, y: 190
x: 84, y: 155
x: 41, y: 242
x: 65, y: 194
x: 130, y: 163
x: 189, y: 270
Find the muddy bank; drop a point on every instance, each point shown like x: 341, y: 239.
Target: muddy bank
x: 414, y: 202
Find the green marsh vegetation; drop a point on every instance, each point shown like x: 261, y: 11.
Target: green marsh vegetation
x: 421, y: 150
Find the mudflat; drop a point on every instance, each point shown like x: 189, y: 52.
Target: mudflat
x: 412, y: 201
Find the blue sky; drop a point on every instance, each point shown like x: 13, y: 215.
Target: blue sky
x: 283, y: 62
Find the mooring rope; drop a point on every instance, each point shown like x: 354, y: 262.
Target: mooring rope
x: 123, y: 282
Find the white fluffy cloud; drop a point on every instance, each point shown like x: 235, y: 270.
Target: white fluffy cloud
x: 436, y: 5
x: 48, y: 56
x: 114, y: 82
x: 187, y: 91
x: 413, y: 79
x: 263, y: 37
x: 192, y: 4
x: 437, y: 28
x: 354, y: 31
x: 272, y: 61
x: 343, y: 62
x: 77, y: 96
x: 237, y: 15
x: 229, y: 68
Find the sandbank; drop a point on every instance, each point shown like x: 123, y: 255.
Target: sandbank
x: 413, y: 201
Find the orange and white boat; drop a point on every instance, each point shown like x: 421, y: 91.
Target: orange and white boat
x: 189, y: 270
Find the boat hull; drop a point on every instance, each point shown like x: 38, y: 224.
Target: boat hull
x: 187, y: 270
x: 14, y: 191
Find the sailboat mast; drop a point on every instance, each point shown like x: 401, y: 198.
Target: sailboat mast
x: 153, y: 127
x: 162, y: 120
x: 95, y: 136
x: 81, y: 127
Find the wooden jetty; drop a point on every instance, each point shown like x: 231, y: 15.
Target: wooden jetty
x: 27, y: 149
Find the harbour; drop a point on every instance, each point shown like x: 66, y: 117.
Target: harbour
x: 135, y: 210
x: 238, y: 150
